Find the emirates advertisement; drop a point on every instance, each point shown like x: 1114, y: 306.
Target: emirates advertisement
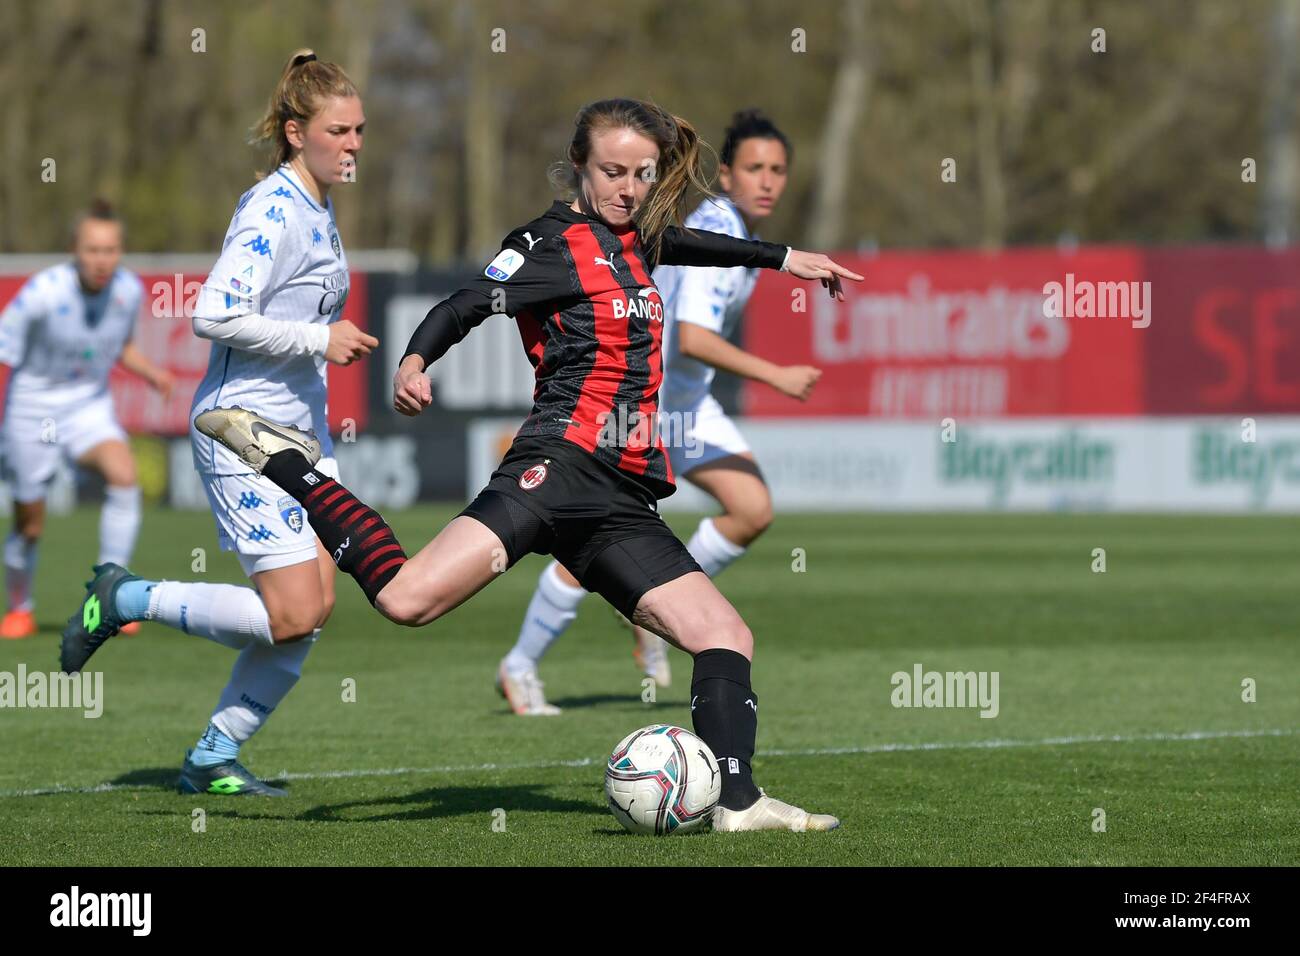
x: 1101, y: 331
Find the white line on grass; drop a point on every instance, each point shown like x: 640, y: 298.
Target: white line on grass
x: 995, y: 744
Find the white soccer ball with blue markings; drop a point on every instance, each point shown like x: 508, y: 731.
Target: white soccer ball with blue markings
x: 662, y: 780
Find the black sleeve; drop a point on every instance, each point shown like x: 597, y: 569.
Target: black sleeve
x: 696, y: 247
x: 535, y: 277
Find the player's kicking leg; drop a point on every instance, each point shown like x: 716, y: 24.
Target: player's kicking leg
x: 694, y: 615
x: 461, y: 560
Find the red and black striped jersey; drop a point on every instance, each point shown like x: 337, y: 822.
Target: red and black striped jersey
x: 591, y: 321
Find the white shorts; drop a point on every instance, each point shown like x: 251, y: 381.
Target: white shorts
x: 33, y: 443
x: 699, y: 435
x: 256, y: 519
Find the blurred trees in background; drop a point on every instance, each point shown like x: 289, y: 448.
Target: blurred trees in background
x: 1144, y: 142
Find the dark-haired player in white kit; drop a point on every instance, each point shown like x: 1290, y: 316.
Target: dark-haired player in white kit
x: 701, y: 309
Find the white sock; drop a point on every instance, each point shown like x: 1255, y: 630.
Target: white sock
x: 552, y: 609
x: 119, y: 523
x: 711, y: 549
x: 262, y: 676
x: 229, y: 615
x: 20, y: 570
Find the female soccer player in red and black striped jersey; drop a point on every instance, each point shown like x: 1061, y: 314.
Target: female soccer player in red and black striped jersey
x: 582, y: 478
x: 701, y: 309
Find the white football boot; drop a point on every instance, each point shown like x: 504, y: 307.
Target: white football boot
x: 650, y: 651
x: 769, y: 814
x: 651, y: 654
x: 254, y: 438
x: 524, y: 693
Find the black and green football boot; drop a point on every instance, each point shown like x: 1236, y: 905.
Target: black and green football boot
x: 230, y: 779
x: 96, y: 620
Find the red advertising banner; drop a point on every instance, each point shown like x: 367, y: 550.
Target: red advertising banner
x: 931, y: 335
x: 1226, y: 339
x: 163, y: 333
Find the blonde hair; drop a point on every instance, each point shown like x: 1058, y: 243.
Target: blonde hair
x: 680, y: 164
x: 304, y: 86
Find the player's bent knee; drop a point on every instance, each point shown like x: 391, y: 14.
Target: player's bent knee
x: 732, y: 635
x: 327, y: 608
x: 293, y: 625
x: 755, y: 517
x: 738, y: 637
x: 401, y: 606
x: 290, y: 634
x: 29, y: 520
x: 759, y: 521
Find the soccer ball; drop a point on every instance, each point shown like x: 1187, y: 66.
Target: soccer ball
x: 661, y: 780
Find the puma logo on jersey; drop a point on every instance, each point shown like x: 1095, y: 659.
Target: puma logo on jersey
x: 751, y: 703
x: 528, y: 236
x: 605, y: 262
x: 338, y: 554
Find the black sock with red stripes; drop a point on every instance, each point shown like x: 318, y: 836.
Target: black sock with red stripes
x: 355, y: 534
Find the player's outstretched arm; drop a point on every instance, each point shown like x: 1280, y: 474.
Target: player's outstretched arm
x: 814, y: 265
x: 698, y: 247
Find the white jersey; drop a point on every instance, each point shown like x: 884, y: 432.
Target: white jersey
x: 282, y: 258
x: 712, y: 297
x: 62, y: 342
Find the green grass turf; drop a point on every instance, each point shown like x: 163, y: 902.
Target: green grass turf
x: 1159, y: 644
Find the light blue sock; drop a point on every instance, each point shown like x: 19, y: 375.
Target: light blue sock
x: 213, y: 748
x: 132, y: 600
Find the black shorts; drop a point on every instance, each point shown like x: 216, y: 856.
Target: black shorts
x: 551, y: 497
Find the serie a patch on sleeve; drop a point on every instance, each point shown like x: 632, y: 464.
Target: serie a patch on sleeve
x: 505, y: 265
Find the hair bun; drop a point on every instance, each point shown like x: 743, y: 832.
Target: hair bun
x: 101, y: 208
x: 302, y: 58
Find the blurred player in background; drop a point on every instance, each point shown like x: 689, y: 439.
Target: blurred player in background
x: 270, y: 307
x: 61, y: 336
x: 701, y: 309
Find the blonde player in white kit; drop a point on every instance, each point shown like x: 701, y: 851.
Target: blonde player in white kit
x: 61, y: 336
x: 701, y: 309
x: 271, y: 308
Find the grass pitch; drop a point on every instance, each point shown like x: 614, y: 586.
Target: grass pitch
x: 1118, y: 691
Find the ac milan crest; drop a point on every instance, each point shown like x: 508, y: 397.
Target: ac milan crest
x: 533, y: 477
